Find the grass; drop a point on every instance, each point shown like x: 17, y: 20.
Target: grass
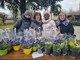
x: 10, y: 25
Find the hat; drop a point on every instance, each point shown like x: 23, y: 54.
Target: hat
x: 28, y: 12
x: 46, y: 12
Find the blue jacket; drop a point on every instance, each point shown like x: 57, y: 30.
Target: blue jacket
x: 65, y: 27
x: 22, y: 24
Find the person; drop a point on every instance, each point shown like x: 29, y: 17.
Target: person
x: 48, y: 24
x: 63, y: 24
x: 24, y: 22
x: 37, y: 22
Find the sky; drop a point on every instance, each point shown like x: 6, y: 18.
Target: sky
x: 70, y: 4
x: 66, y: 6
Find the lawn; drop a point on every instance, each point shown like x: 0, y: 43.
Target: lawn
x: 10, y: 25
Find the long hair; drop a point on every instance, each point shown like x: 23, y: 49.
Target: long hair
x: 36, y: 13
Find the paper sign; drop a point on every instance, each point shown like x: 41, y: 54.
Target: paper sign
x: 36, y: 55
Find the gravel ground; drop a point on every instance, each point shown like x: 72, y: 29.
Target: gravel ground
x: 77, y: 31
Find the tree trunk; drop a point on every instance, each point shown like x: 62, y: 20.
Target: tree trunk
x: 34, y: 11
x: 15, y: 17
x: 2, y: 3
x: 22, y: 6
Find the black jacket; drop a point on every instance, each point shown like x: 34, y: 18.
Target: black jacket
x: 65, y: 27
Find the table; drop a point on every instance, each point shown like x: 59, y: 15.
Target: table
x: 19, y: 55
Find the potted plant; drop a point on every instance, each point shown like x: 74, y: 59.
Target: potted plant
x: 3, y: 48
x: 35, y: 47
x: 64, y: 46
x: 74, y: 48
x: 74, y: 51
x: 8, y: 43
x: 15, y: 45
x: 27, y: 46
x: 56, y: 49
x: 48, y: 46
x: 78, y: 44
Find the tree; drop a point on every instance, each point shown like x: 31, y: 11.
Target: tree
x: 3, y: 17
x: 56, y: 9
x: 14, y: 9
x: 2, y: 3
x: 22, y: 6
x: 36, y: 4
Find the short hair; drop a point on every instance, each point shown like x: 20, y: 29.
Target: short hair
x: 36, y: 13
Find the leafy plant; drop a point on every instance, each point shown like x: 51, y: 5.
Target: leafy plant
x: 3, y: 45
x: 56, y: 49
x: 48, y: 45
x: 74, y: 51
x: 15, y: 42
x: 65, y: 48
x: 27, y: 44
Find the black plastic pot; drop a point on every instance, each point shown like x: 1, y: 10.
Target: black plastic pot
x: 47, y: 51
x: 74, y: 54
x: 56, y: 53
x: 64, y: 52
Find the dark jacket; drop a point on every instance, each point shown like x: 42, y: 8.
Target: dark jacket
x: 22, y: 24
x: 65, y: 27
x: 35, y: 24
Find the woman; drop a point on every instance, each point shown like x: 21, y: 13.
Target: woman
x: 64, y: 25
x: 24, y: 22
x: 48, y: 24
x: 37, y: 23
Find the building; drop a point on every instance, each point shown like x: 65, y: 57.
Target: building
x: 76, y: 14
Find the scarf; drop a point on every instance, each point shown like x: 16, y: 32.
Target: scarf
x: 46, y: 21
x: 64, y: 22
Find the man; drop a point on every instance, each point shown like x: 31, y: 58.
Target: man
x: 24, y: 22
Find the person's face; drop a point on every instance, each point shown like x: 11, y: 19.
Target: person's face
x: 62, y: 16
x: 37, y: 17
x: 27, y: 16
x: 46, y: 16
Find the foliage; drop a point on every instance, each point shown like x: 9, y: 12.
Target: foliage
x: 64, y: 46
x: 75, y: 49
x: 4, y: 45
x: 15, y: 42
x: 48, y: 45
x: 56, y: 9
x: 36, y: 4
x: 57, y: 47
x: 0, y: 20
x: 76, y: 23
x: 27, y: 44
x: 72, y: 18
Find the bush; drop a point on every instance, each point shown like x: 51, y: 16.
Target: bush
x: 76, y: 23
x: 0, y: 20
x: 72, y: 18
